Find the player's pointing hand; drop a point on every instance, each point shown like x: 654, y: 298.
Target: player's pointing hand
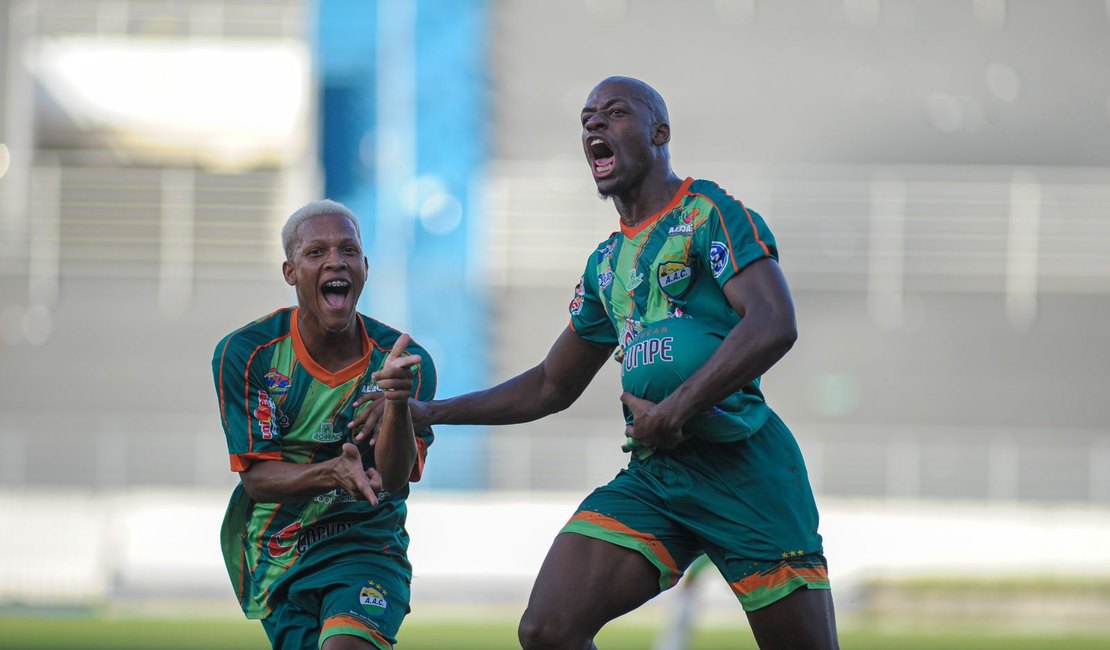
x: 395, y: 377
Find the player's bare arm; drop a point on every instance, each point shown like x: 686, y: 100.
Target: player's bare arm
x: 395, y: 445
x: 551, y: 386
x: 767, y: 331
x: 275, y: 481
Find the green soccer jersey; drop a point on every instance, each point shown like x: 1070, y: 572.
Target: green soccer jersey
x: 277, y: 403
x: 675, y: 265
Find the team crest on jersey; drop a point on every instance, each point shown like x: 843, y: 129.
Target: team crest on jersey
x: 579, y: 292
x: 277, y: 383
x: 718, y: 258
x: 264, y: 415
x: 674, y: 278
x: 372, y: 597
x: 327, y: 433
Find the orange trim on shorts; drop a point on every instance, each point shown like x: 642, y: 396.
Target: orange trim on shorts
x: 348, y: 621
x: 778, y: 577
x: 608, y: 523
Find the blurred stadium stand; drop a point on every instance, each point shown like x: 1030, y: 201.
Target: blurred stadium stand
x: 943, y: 222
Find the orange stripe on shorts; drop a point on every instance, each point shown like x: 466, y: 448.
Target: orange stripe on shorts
x: 650, y: 541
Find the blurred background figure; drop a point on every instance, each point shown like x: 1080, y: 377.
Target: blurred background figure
x: 938, y: 174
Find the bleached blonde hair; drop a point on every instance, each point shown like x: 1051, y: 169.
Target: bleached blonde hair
x: 289, y: 234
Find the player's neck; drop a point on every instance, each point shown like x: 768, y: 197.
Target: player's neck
x: 332, y: 350
x: 647, y: 198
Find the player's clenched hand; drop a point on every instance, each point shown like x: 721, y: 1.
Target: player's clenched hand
x: 395, y: 377
x: 351, y: 476
x: 650, y: 425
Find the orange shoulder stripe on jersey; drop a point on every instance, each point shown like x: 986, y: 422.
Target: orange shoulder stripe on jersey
x: 247, y: 389
x: 246, y: 384
x: 223, y: 356
x: 320, y: 373
x: 632, y: 231
x: 751, y: 222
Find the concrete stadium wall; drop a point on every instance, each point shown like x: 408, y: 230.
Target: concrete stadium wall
x: 483, y: 550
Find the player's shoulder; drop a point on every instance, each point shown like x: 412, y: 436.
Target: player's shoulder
x: 604, y: 248
x: 714, y: 193
x: 383, y: 337
x: 257, y: 333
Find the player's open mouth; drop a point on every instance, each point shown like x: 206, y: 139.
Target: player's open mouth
x: 335, y: 293
x: 604, y: 159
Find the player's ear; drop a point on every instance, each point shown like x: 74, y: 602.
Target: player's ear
x: 289, y: 273
x: 661, y: 135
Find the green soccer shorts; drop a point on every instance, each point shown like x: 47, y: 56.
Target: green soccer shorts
x: 747, y: 505
x: 366, y: 596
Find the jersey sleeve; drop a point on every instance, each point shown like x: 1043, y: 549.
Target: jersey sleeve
x: 588, y: 317
x: 423, y: 389
x: 247, y: 411
x: 733, y: 238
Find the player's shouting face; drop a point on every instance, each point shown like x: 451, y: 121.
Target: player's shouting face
x: 328, y: 269
x: 624, y: 133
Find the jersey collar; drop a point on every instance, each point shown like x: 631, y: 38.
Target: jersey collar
x: 322, y: 374
x: 632, y: 231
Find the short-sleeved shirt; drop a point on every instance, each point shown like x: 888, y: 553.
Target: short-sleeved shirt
x: 674, y: 265
x: 277, y: 403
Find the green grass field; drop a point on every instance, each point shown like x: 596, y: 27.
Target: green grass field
x: 58, y: 633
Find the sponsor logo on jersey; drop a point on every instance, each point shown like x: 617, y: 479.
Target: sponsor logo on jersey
x: 718, y: 258
x: 277, y: 383
x: 604, y: 279
x: 686, y: 223
x: 264, y: 415
x: 647, y: 352
x: 371, y: 387
x: 605, y: 252
x: 625, y: 337
x: 674, y: 278
x: 284, y: 540
x: 579, y: 291
x: 634, y: 279
x: 372, y: 597
x: 338, y: 495
x: 295, y: 536
x: 327, y: 433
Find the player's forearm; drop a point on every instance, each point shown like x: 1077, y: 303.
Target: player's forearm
x: 275, y: 481
x: 395, y: 448
x: 521, y: 399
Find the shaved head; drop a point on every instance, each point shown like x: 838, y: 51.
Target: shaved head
x: 640, y: 92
